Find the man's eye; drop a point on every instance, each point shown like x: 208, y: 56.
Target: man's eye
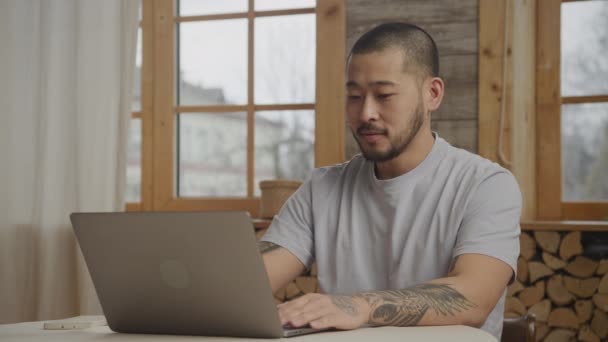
x: 385, y: 96
x: 354, y: 97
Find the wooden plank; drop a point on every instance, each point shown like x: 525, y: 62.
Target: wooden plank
x: 459, y: 133
x: 133, y: 207
x: 147, y: 106
x: 210, y: 109
x: 523, y: 157
x: 251, y: 205
x: 164, y: 146
x: 242, y: 108
x: 415, y: 11
x: 301, y: 106
x: 584, y: 226
x: 585, y: 211
x: 210, y: 17
x: 460, y: 76
x: 330, y: 71
x: 250, y: 101
x: 294, y: 11
x: 491, y: 47
x: 243, y: 15
x: 584, y: 99
x: 548, y: 153
x: 261, y: 223
x: 453, y: 38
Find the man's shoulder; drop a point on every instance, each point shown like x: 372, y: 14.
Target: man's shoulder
x: 472, y: 170
x: 467, y: 162
x: 330, y: 173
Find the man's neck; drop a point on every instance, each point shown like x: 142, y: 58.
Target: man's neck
x: 418, y: 149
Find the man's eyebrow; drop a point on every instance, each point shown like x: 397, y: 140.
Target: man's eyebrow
x: 351, y: 84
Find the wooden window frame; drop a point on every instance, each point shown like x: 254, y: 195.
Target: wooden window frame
x: 548, y: 108
x: 523, y: 82
x: 158, y: 109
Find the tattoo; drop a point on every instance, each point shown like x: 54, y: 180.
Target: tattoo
x: 407, y: 307
x: 265, y: 246
x: 345, y: 304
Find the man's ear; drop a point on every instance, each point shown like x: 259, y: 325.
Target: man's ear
x: 435, y: 90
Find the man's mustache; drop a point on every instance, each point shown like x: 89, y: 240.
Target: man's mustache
x: 368, y: 128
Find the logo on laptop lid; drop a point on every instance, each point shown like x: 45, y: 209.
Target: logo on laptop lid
x: 174, y: 274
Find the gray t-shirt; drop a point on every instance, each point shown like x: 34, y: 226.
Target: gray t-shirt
x: 368, y: 234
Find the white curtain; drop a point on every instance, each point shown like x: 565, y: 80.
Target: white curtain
x: 66, y: 71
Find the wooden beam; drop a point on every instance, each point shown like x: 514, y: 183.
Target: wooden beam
x: 133, y: 207
x: 164, y: 146
x: 589, y: 226
x: 506, y: 128
x: 548, y: 111
x: 523, y: 158
x: 242, y: 108
x: 250, y: 102
x: 244, y: 15
x: 251, y: 205
x: 584, y: 99
x: 147, y: 105
x: 585, y: 211
x: 330, y: 78
x: 491, y: 48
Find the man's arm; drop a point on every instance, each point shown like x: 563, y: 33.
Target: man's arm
x: 466, y: 296
x: 282, y: 267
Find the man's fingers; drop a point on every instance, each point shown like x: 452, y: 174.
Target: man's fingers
x: 301, y: 313
x: 306, y: 317
x: 289, y: 310
x: 327, y: 321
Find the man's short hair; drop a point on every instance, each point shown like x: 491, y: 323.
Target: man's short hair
x: 415, y: 43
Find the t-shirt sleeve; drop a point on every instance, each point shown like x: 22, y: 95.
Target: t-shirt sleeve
x: 490, y: 224
x: 292, y: 227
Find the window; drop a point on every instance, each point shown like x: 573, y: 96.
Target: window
x: 572, y: 100
x: 233, y: 93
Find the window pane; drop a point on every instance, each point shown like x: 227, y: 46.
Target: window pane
x: 212, y: 155
x: 585, y: 152
x: 584, y: 48
x: 284, y: 145
x: 266, y: 5
x: 205, y: 7
x: 213, y: 62
x: 136, y: 100
x: 285, y: 59
x: 133, y: 191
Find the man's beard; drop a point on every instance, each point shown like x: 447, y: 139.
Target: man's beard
x: 397, y: 144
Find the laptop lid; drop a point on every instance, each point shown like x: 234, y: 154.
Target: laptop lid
x: 178, y: 273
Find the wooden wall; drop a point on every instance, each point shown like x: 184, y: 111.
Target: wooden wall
x: 453, y: 25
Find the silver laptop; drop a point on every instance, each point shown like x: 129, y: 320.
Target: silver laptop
x: 179, y: 273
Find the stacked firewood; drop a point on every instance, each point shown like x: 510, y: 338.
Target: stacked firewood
x: 306, y: 283
x: 566, y: 291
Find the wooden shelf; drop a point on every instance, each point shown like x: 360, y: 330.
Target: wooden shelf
x: 587, y: 226
x: 261, y: 223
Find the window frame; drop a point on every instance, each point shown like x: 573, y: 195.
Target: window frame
x: 158, y: 108
x: 548, y: 120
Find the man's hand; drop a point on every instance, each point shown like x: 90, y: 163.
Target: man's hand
x: 325, y: 311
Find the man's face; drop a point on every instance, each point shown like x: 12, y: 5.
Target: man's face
x: 384, y: 104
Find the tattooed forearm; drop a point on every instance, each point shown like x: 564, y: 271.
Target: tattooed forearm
x: 407, y: 307
x: 346, y: 304
x: 265, y: 246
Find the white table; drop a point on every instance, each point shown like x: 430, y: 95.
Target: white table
x: 33, y: 331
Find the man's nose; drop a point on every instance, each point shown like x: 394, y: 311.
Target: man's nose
x: 369, y: 111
